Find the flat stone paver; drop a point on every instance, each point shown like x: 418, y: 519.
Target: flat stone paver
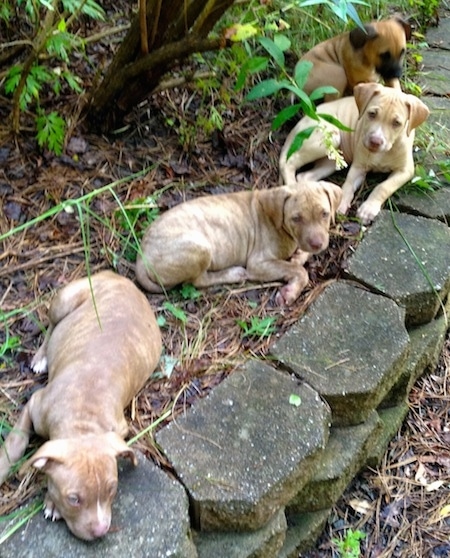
x: 150, y: 519
x: 350, y: 346
x: 436, y: 61
x: 345, y: 454
x: 245, y: 450
x: 406, y: 258
x: 263, y: 543
x: 303, y: 530
x: 426, y: 346
x: 434, y: 205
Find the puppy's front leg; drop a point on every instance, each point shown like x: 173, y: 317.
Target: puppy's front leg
x: 371, y: 207
x: 355, y: 178
x: 16, y: 443
x: 291, y: 271
x: 293, y: 289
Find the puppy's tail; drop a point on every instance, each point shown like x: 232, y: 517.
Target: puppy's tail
x: 143, y: 278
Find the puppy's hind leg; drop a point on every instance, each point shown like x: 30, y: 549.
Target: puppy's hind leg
x: 64, y: 302
x: 236, y: 274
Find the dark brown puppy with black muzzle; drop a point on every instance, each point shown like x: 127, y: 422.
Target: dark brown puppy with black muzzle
x: 359, y: 56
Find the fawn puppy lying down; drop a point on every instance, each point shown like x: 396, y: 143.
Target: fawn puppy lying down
x: 230, y: 238
x: 358, y: 56
x: 382, y: 120
x: 98, y: 357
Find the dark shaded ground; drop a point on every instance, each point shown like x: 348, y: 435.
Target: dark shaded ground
x: 392, y: 505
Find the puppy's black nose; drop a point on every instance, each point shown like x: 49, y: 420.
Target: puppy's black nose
x: 390, y: 71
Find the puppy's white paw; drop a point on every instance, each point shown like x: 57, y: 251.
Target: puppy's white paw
x: 368, y: 211
x: 39, y: 365
x: 344, y: 206
x: 288, y: 294
x: 50, y: 511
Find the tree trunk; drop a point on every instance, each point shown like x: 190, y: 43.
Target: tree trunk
x: 174, y: 29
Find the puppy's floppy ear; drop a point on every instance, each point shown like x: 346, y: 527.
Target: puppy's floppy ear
x: 119, y: 447
x: 273, y: 202
x: 363, y: 93
x: 53, y: 451
x: 405, y: 24
x: 334, y: 194
x: 418, y: 113
x: 359, y: 37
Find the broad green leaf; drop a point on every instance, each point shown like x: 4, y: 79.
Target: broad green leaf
x: 301, y: 72
x: 264, y: 89
x: 250, y: 66
x: 284, y: 115
x: 321, y: 91
x: 307, y: 105
x: 282, y: 42
x: 299, y: 139
x: 333, y: 120
x: 274, y: 50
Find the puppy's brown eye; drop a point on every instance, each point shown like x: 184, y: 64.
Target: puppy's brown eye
x: 297, y: 218
x: 385, y: 56
x: 396, y: 123
x: 74, y: 500
x: 372, y: 114
x: 325, y: 214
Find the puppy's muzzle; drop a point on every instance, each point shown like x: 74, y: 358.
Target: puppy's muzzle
x: 390, y: 70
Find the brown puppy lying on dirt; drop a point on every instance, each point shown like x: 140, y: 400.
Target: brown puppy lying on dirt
x: 101, y: 347
x: 230, y: 238
x: 359, y: 56
x: 383, y: 122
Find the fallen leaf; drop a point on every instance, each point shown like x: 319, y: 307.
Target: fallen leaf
x: 361, y: 506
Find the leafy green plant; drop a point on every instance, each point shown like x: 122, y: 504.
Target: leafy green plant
x: 133, y: 219
x: 428, y: 180
x: 189, y: 292
x: 258, y: 327
x: 426, y: 9
x: 176, y: 311
x: 47, y: 64
x: 10, y: 343
x: 349, y: 546
x: 276, y: 49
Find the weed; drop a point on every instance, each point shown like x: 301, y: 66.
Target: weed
x: 47, y: 64
x: 176, y: 311
x: 258, y: 327
x: 349, y: 546
x: 425, y: 10
x: 10, y: 343
x: 426, y: 181
x: 142, y: 211
x: 189, y: 292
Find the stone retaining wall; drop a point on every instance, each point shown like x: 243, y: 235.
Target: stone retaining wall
x: 259, y: 470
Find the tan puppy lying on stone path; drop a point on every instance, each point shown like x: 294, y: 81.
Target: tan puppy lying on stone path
x: 98, y: 359
x: 383, y: 122
x: 357, y: 57
x: 230, y: 238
